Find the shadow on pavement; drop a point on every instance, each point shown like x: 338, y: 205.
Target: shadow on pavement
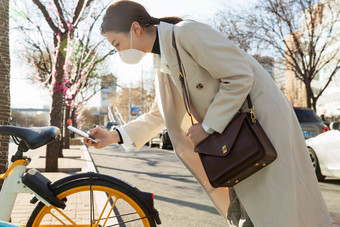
x: 172, y: 177
x: 206, y: 208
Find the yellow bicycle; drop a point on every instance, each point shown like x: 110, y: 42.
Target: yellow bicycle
x: 94, y: 199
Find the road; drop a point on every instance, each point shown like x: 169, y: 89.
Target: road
x: 331, y: 193
x: 179, y: 199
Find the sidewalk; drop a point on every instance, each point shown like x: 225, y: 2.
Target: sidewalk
x: 75, y: 160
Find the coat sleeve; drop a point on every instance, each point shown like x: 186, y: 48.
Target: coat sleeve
x: 145, y: 126
x: 225, y: 62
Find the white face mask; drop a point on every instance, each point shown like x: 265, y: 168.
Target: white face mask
x: 131, y: 56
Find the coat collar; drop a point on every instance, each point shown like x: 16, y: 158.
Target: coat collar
x: 167, y: 50
x: 168, y: 53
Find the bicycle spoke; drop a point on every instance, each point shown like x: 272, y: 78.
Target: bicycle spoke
x: 101, y: 215
x: 57, y: 218
x: 137, y: 219
x: 65, y: 216
x: 91, y: 206
x: 107, y: 218
x: 121, y: 215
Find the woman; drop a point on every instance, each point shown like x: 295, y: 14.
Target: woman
x: 219, y: 77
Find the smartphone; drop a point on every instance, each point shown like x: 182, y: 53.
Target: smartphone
x: 81, y: 133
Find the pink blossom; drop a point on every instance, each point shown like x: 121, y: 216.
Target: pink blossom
x: 66, y: 68
x: 37, y: 77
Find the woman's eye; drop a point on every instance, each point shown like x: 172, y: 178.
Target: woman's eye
x: 117, y: 45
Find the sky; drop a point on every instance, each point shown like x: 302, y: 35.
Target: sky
x: 24, y: 93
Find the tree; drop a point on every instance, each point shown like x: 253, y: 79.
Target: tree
x: 142, y: 96
x: 53, y: 64
x: 227, y: 22
x: 28, y: 120
x: 4, y: 83
x: 302, y: 33
x: 91, y: 119
x: 62, y: 32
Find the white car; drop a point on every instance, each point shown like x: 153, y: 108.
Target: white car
x: 324, y: 150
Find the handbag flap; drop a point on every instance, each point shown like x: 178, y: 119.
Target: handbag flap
x: 220, y: 144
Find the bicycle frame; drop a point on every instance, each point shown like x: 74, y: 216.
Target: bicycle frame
x: 12, y: 186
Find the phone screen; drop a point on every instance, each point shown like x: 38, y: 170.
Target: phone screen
x: 81, y: 133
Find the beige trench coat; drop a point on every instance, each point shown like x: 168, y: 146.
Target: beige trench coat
x: 220, y: 76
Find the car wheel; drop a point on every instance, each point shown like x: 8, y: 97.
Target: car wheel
x: 162, y: 144
x: 150, y: 143
x: 316, y: 165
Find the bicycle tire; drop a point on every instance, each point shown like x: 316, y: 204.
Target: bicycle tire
x: 71, y: 188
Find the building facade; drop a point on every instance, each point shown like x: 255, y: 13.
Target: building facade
x: 108, y: 88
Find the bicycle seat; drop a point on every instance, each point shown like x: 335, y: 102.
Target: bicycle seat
x: 33, y: 137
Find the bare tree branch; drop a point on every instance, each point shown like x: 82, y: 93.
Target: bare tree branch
x: 47, y: 17
x: 81, y: 5
x: 61, y: 15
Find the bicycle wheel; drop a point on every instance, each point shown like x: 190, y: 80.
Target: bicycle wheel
x: 100, y: 204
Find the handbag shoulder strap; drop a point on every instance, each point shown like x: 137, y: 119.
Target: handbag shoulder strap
x: 182, y: 78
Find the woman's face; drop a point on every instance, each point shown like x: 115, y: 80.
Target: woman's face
x: 121, y: 40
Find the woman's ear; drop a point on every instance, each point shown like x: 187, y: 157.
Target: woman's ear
x: 137, y: 28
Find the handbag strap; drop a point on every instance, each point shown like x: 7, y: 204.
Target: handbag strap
x: 186, y: 95
x: 182, y: 75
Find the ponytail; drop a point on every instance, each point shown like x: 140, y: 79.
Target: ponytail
x: 171, y: 20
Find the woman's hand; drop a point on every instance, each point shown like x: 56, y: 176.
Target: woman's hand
x: 197, y: 134
x: 103, y: 137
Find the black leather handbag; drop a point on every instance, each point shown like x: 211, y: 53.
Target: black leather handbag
x: 241, y: 150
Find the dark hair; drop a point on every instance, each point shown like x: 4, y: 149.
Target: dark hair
x: 120, y: 15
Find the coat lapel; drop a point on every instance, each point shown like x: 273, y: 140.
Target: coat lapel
x: 168, y: 52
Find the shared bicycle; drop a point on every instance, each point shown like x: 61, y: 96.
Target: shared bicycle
x: 111, y: 201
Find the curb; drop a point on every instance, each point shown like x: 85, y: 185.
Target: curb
x: 90, y: 164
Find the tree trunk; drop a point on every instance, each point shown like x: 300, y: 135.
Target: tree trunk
x: 309, y: 94
x: 74, y: 117
x: 67, y: 132
x: 314, y: 104
x: 4, y: 84
x: 56, y: 115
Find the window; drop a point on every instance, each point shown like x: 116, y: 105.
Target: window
x: 305, y: 116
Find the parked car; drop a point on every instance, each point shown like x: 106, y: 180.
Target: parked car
x: 310, y: 123
x: 162, y: 139
x: 335, y: 125
x: 111, y: 125
x: 324, y: 151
